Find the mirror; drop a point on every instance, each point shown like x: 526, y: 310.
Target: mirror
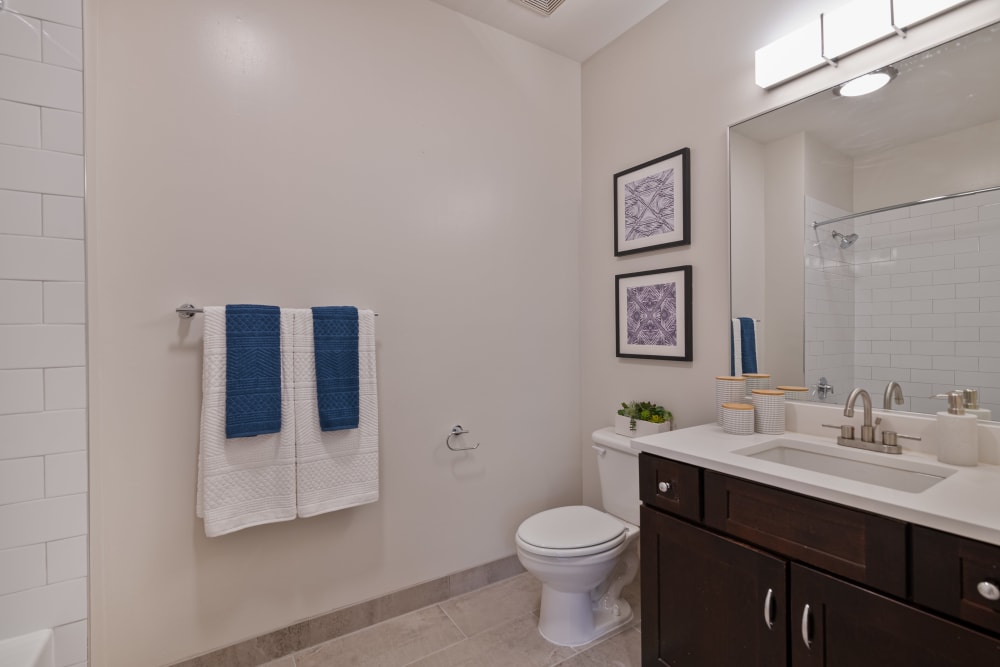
x: 910, y: 293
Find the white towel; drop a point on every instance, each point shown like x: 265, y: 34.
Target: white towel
x: 736, y: 368
x: 243, y: 482
x: 334, y: 469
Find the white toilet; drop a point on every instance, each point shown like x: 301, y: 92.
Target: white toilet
x: 573, y: 551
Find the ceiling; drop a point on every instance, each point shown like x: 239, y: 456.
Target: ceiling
x: 577, y: 29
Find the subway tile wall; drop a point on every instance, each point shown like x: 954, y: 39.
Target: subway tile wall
x: 43, y: 423
x: 926, y: 300
x: 829, y: 309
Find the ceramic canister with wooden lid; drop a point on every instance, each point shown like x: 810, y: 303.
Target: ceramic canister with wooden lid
x: 728, y: 389
x: 794, y: 393
x: 737, y: 418
x: 768, y: 411
x: 757, y: 381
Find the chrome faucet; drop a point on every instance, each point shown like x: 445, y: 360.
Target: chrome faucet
x: 890, y: 439
x: 867, y: 429
x: 892, y: 391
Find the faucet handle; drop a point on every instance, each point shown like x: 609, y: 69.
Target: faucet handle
x: 822, y: 389
x: 890, y: 437
x: 846, y: 430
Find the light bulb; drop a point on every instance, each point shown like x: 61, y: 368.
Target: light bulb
x: 867, y: 83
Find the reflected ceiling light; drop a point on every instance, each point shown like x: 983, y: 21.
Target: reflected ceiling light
x: 866, y: 83
x: 840, y: 32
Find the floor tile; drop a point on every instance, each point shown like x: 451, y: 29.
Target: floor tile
x: 496, y: 604
x: 287, y: 661
x: 393, y: 643
x: 621, y: 650
x: 516, y: 642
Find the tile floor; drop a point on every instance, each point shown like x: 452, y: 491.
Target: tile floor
x: 495, y: 626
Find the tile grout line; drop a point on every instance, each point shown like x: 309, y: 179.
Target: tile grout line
x: 448, y: 616
x: 465, y: 638
x: 434, y: 604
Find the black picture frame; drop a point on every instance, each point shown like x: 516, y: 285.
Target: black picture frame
x: 653, y: 204
x: 653, y: 314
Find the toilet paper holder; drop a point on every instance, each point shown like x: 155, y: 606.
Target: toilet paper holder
x: 457, y: 430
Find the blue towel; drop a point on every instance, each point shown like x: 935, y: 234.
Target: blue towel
x: 335, y: 333
x: 253, y: 370
x: 748, y: 336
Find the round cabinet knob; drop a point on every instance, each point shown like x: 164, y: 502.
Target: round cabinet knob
x: 665, y: 486
x: 988, y: 590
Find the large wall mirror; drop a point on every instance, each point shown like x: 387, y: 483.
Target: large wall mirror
x: 904, y: 284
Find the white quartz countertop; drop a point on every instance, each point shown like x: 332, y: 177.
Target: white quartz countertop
x: 966, y: 503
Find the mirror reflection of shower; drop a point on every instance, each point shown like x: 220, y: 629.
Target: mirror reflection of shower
x: 845, y: 241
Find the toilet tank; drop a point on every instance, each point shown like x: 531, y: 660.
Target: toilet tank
x: 618, y: 469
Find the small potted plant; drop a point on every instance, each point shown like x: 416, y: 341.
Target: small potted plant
x: 639, y: 418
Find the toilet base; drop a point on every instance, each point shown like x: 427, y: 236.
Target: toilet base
x: 573, y: 619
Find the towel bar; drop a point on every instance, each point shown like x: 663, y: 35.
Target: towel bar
x: 186, y: 311
x: 458, y: 430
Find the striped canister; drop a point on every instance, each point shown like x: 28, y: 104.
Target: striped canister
x: 737, y: 418
x: 757, y: 381
x: 728, y: 389
x: 794, y: 393
x: 768, y: 411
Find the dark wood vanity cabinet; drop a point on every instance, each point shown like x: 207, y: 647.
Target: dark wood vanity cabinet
x: 745, y: 574
x: 720, y: 602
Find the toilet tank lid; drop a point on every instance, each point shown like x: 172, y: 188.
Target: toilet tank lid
x: 606, y: 437
x: 570, y: 527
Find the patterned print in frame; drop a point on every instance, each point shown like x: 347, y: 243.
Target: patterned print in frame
x: 653, y: 314
x: 652, y: 204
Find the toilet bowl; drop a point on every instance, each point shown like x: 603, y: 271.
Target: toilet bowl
x: 583, y: 556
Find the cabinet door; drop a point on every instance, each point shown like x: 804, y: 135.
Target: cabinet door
x: 847, y: 626
x: 709, y: 601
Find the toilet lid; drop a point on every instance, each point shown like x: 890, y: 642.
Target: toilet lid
x: 573, y: 527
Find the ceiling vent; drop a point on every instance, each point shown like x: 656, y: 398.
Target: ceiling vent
x: 544, y: 7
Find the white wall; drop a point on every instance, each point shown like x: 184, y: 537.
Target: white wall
x: 748, y: 243
x: 680, y: 78
x: 389, y: 154
x: 783, y: 286
x: 959, y: 161
x: 43, y: 424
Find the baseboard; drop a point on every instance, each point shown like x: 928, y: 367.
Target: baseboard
x: 288, y: 640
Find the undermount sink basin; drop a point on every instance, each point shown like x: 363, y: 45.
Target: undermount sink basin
x: 884, y: 470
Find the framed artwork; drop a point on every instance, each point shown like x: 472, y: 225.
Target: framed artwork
x: 653, y: 314
x: 651, y: 204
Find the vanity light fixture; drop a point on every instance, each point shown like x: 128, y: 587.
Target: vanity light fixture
x: 866, y: 83
x: 840, y: 32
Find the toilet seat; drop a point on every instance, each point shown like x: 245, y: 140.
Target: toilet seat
x: 570, y: 532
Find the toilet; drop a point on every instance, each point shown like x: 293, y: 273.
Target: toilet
x: 585, y: 557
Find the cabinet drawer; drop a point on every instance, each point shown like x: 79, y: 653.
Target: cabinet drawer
x: 863, y: 547
x: 670, y: 486
x: 949, y: 573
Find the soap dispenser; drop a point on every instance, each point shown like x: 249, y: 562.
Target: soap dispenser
x: 958, y: 433
x: 970, y: 400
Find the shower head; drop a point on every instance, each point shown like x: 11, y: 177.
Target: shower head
x: 845, y: 241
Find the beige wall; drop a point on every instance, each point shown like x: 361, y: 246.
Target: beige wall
x: 748, y: 243
x: 829, y: 175
x: 783, y: 285
x: 680, y: 78
x: 390, y: 154
x: 955, y: 162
